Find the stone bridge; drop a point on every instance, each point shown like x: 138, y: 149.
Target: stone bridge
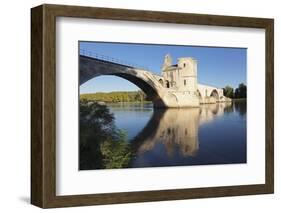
x: 152, y: 85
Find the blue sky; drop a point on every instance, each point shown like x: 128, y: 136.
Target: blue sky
x: 216, y: 66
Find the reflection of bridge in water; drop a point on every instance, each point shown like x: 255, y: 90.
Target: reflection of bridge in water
x: 177, y: 129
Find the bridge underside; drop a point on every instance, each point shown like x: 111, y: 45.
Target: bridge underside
x: 146, y: 88
x: 90, y: 68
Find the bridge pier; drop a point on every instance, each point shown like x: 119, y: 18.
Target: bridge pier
x: 176, y: 100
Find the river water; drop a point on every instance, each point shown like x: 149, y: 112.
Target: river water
x: 210, y: 134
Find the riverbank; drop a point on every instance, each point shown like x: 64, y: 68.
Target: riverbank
x: 116, y: 102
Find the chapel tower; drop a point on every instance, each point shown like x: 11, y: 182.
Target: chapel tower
x: 188, y: 74
x: 181, y: 76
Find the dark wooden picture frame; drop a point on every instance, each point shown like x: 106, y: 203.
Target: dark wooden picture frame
x: 43, y: 105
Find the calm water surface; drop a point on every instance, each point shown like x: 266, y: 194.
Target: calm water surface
x: 211, y: 134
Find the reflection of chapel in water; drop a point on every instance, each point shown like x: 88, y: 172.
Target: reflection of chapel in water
x: 177, y: 129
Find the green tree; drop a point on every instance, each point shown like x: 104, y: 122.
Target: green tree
x: 101, y: 144
x: 241, y: 91
x: 228, y: 92
x: 116, y: 154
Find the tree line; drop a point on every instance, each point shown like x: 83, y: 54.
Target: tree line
x: 132, y: 96
x: 239, y: 92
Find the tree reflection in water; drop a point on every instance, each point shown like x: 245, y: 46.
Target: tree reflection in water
x: 241, y: 107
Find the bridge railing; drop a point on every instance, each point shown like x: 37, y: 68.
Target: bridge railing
x: 95, y: 55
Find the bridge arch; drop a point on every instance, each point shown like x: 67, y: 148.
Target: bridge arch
x: 90, y: 68
x: 215, y: 94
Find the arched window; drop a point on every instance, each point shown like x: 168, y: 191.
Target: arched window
x: 184, y: 82
x: 161, y: 82
x: 167, y: 84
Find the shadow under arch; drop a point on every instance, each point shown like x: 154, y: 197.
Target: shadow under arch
x: 90, y: 68
x: 200, y: 96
